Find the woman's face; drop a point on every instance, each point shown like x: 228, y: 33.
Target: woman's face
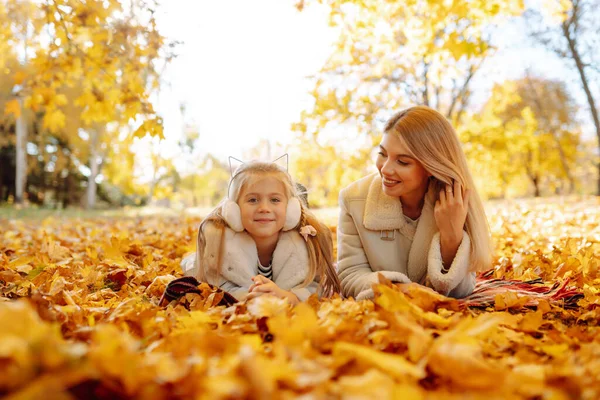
x: 402, y: 175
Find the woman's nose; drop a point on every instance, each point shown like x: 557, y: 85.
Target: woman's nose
x: 387, y: 169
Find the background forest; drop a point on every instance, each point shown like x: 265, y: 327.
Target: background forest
x: 91, y: 116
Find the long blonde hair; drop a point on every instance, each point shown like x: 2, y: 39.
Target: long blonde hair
x: 433, y: 141
x: 320, y: 246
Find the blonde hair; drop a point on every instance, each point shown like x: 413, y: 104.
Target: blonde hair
x: 320, y: 246
x: 432, y: 140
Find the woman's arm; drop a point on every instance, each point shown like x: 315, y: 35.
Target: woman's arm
x: 356, y: 275
x: 452, y: 280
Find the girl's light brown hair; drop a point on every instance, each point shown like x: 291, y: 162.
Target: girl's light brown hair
x: 432, y: 140
x: 320, y: 246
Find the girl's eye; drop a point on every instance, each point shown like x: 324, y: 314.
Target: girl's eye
x: 252, y: 200
x: 276, y: 200
x: 381, y: 154
x: 402, y: 162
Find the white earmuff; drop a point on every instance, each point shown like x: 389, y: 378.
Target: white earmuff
x: 293, y: 214
x: 232, y: 215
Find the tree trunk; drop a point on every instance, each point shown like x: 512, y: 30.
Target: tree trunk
x: 536, y: 185
x: 584, y: 82
x: 94, y: 167
x: 548, y: 125
x: 21, y: 156
x: 194, y: 198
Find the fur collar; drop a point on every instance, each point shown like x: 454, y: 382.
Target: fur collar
x: 240, y: 257
x: 384, y: 213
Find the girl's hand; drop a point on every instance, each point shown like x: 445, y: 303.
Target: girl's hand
x: 262, y: 286
x: 259, y: 280
x: 450, y: 212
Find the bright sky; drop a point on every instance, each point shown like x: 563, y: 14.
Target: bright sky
x: 241, y: 70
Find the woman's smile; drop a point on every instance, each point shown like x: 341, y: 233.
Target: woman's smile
x: 389, y: 182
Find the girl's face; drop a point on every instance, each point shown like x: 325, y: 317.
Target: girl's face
x: 402, y: 175
x: 263, y: 204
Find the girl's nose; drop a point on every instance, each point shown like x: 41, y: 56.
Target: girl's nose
x: 263, y: 206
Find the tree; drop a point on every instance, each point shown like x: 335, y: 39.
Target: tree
x: 325, y: 169
x: 393, y: 54
x: 108, y: 53
x: 527, y: 127
x: 572, y: 33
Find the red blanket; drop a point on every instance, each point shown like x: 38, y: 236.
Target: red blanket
x: 487, y: 288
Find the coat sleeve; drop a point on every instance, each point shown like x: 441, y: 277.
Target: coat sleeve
x: 356, y: 275
x: 305, y: 292
x: 236, y: 291
x: 189, y: 268
x: 458, y: 281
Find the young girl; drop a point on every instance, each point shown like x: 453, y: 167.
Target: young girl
x: 419, y: 219
x: 262, y: 240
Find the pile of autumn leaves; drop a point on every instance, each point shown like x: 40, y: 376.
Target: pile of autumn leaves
x: 79, y: 319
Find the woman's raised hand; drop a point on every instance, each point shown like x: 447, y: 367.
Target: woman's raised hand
x: 450, y: 212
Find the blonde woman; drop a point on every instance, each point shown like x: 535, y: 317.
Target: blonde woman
x: 262, y: 240
x: 419, y: 219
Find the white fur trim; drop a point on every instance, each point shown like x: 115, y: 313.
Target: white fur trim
x: 444, y: 283
x: 232, y: 215
x: 382, y: 212
x: 366, y: 294
x: 293, y: 214
x: 240, y: 259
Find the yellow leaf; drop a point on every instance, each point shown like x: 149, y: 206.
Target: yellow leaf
x: 13, y: 107
x: 392, y: 364
x: 54, y: 120
x: 19, y: 77
x: 504, y: 301
x: 531, y: 322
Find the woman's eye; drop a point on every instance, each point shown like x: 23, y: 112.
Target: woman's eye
x: 381, y: 154
x: 401, y: 162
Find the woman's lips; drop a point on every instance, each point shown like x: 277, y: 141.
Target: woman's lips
x: 389, y: 182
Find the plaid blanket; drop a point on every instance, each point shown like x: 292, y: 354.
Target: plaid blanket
x: 534, y: 290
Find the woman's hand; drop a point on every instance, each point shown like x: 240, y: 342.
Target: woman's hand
x: 263, y: 285
x: 450, y: 211
x: 450, y: 214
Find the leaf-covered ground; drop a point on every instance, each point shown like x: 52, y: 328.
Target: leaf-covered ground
x: 79, y: 319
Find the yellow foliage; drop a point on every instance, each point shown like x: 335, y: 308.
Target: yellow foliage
x: 13, y: 107
x: 79, y: 307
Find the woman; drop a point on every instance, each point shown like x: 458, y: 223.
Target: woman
x: 419, y: 219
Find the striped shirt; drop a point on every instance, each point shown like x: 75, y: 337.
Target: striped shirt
x: 267, y: 271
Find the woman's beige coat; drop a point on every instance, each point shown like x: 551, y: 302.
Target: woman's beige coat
x: 374, y: 236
